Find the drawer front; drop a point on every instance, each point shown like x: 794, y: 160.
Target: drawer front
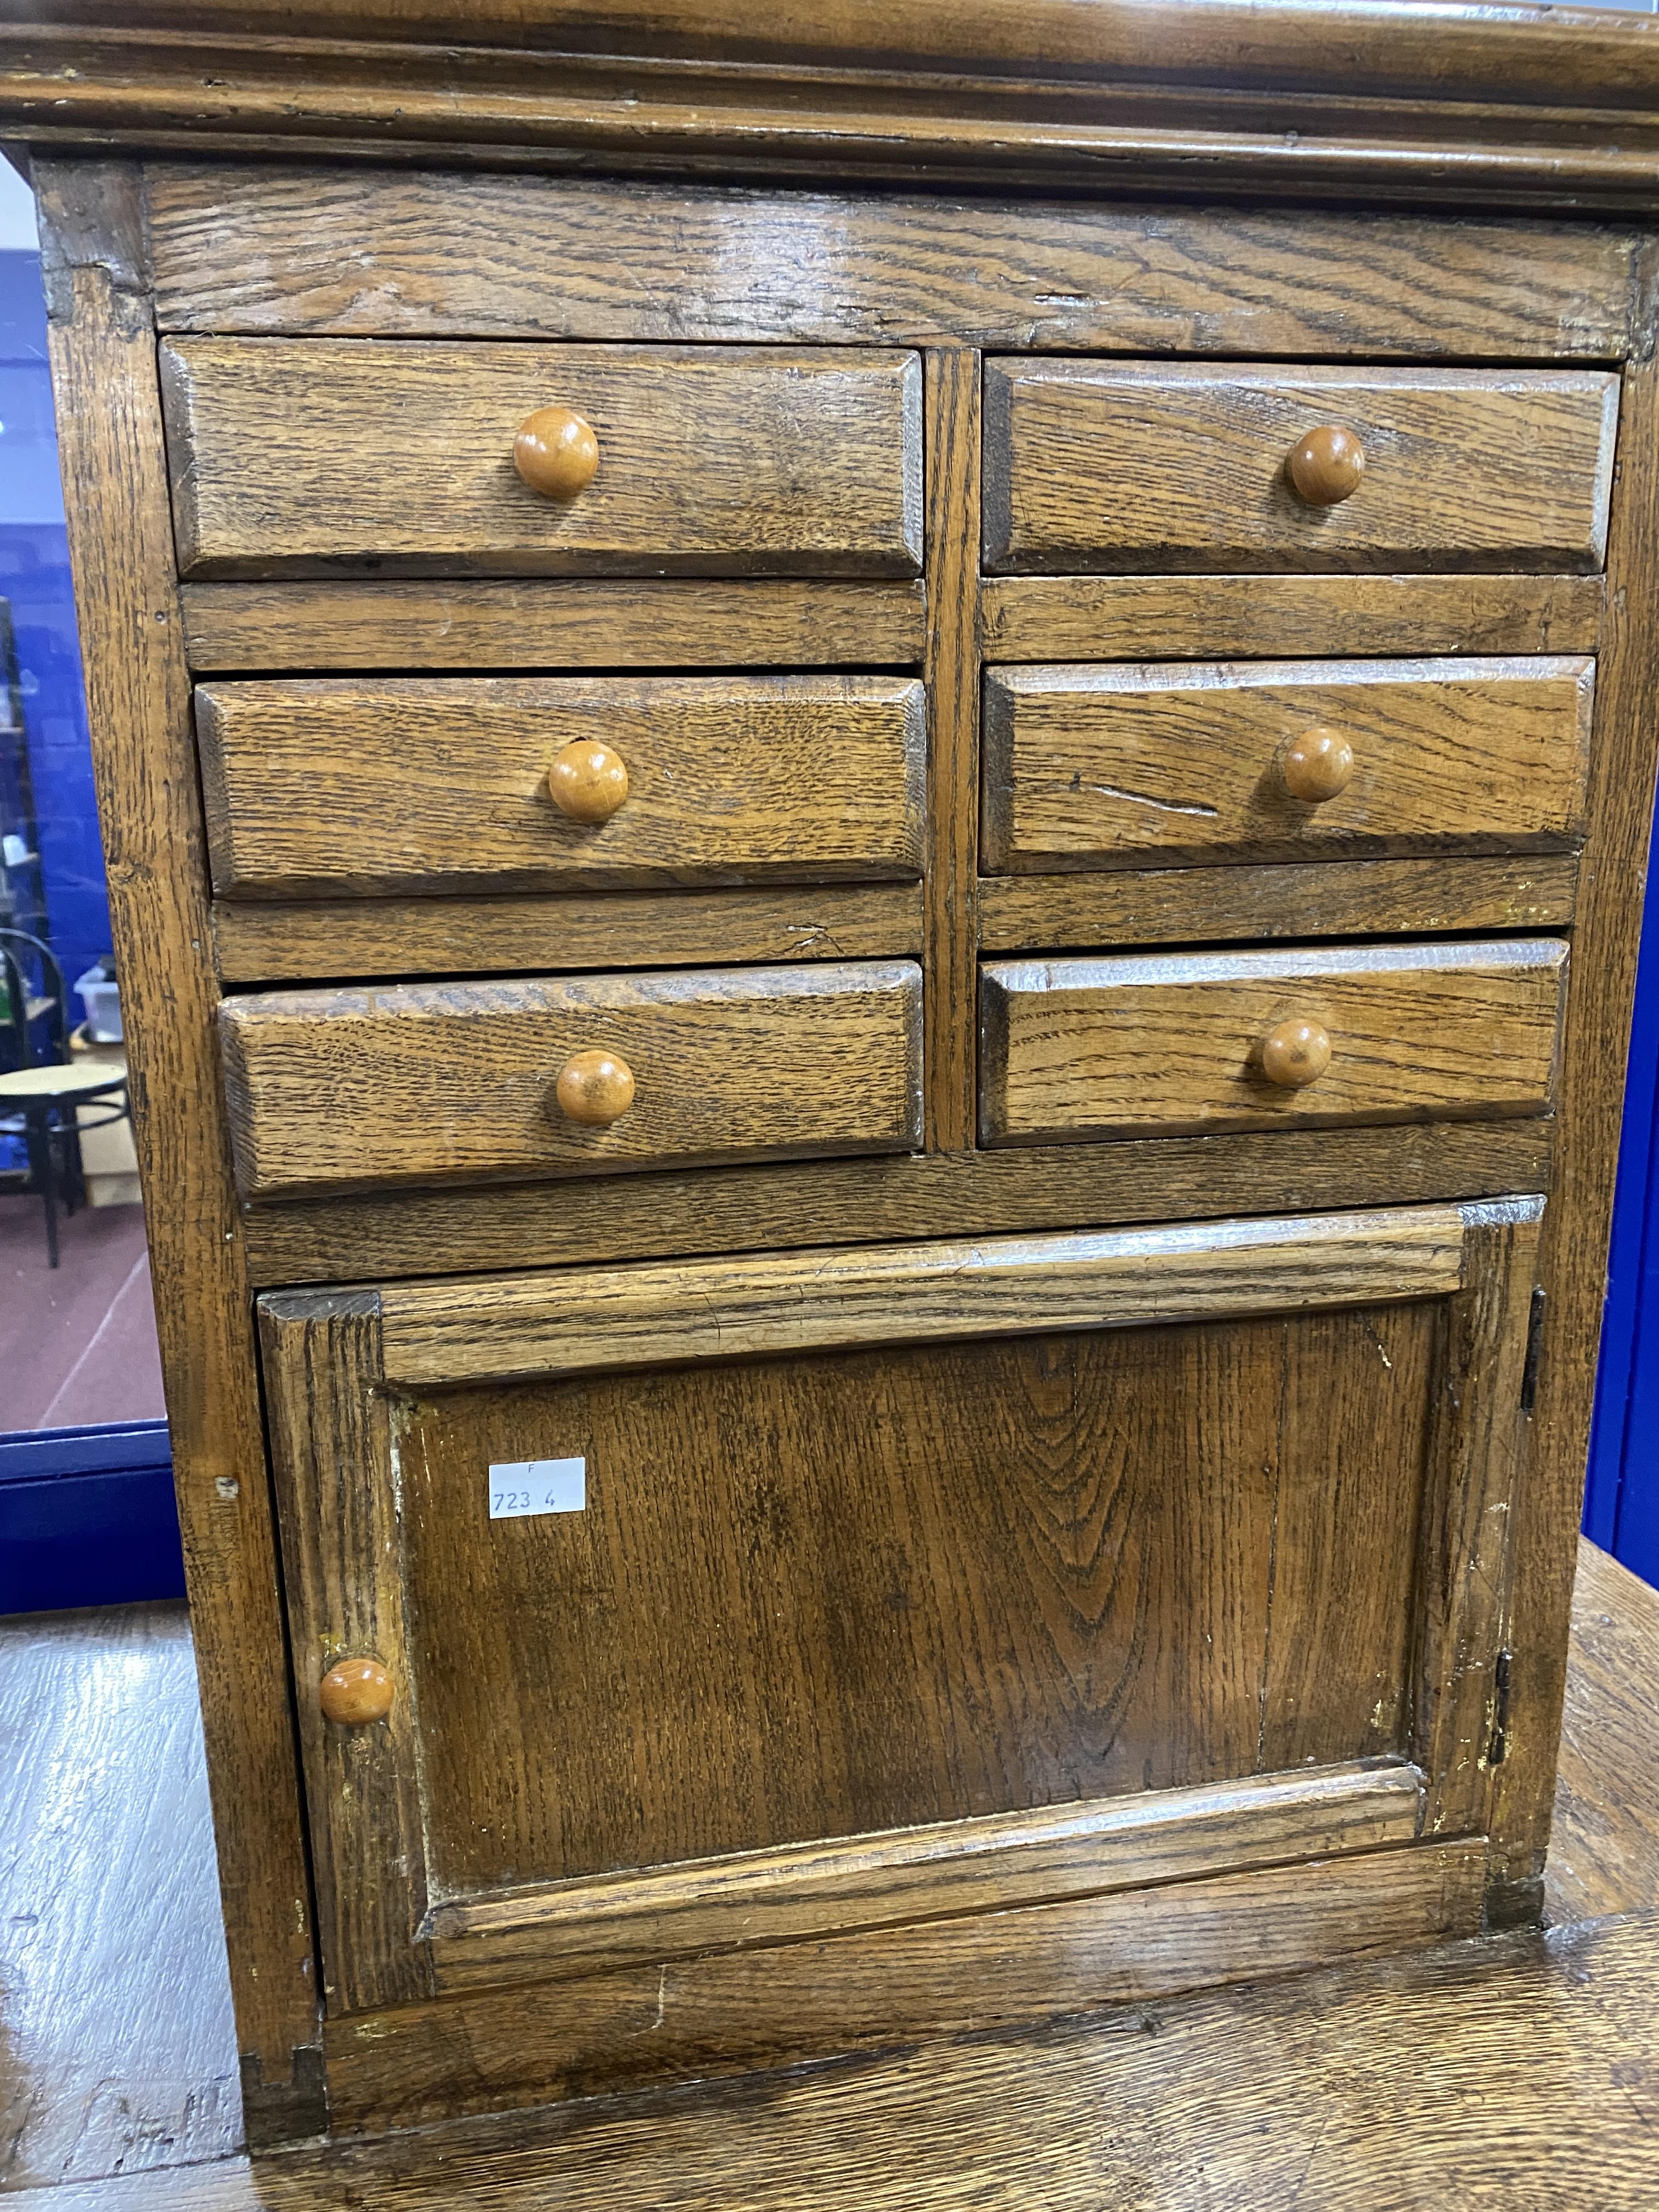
x: 311, y: 455
x: 1142, y: 467
x: 444, y: 1083
x: 1103, y: 767
x: 1074, y: 1048
x: 339, y: 788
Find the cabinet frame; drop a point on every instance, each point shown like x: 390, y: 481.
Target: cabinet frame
x: 133, y: 243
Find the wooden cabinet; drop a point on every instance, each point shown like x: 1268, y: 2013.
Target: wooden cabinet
x: 876, y: 941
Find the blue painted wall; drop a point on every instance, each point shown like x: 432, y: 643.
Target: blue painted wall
x: 34, y: 576
x: 1621, y: 1502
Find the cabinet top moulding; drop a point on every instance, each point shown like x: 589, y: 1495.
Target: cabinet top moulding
x: 1515, y: 104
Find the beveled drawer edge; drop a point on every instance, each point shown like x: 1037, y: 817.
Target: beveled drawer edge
x: 583, y: 1320
x: 460, y: 1082
x: 596, y: 1925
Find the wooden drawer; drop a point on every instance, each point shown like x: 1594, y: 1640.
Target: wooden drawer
x: 295, y: 456
x: 443, y: 1083
x: 1093, y: 467
x: 338, y: 788
x: 1104, y: 767
x: 1185, y: 1041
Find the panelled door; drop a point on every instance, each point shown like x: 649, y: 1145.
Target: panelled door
x: 698, y: 1604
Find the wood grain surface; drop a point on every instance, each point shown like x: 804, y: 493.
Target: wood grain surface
x: 552, y: 622
x: 438, y: 1082
x: 1043, y: 1573
x: 329, y: 1442
x: 1462, y: 55
x: 1460, y: 1732
x: 1604, y: 1849
x: 641, y: 1316
x: 1501, y: 2069
x: 1117, y: 1047
x: 346, y: 788
x: 1572, y: 1268
x: 777, y: 2009
x: 950, y: 667
x: 1523, y: 2041
x: 1005, y: 1860
x: 278, y: 249
x: 1086, y: 767
x: 905, y: 1575
x: 313, y: 455
x: 120, y: 540
x: 1269, y: 617
x: 269, y: 940
x: 1525, y: 110
x: 118, y: 2045
x: 1347, y: 898
x: 1160, y: 1179
x: 1158, y: 466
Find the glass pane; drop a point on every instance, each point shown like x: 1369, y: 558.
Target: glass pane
x: 77, y: 1339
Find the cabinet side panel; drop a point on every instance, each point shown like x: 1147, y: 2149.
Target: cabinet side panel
x: 120, y: 535
x: 1573, y: 1258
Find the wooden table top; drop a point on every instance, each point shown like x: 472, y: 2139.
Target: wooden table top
x: 1508, y: 2071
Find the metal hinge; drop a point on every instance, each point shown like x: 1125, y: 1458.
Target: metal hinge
x: 1499, y: 1743
x: 1535, y: 1342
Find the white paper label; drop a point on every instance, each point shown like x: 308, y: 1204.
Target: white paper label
x: 518, y: 1486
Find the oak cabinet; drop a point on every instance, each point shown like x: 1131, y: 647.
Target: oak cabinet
x: 875, y: 939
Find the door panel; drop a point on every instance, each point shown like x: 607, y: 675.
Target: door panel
x: 935, y: 1590
x: 822, y: 1597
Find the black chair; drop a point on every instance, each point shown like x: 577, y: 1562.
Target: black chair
x: 40, y: 1101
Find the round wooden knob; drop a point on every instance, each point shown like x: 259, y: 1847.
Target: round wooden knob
x: 1317, y: 765
x: 355, y: 1693
x: 1295, y: 1054
x: 555, y: 453
x: 596, y: 1088
x: 1326, y: 466
x: 587, y: 781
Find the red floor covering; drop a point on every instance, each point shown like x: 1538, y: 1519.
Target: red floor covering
x: 77, y: 1344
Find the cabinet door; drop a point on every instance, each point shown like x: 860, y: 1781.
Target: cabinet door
x: 720, y: 1602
